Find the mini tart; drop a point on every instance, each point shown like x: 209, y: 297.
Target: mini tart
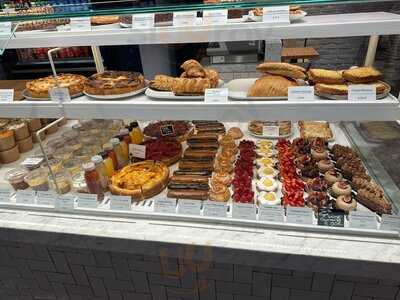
x: 325, y: 165
x: 227, y: 141
x: 226, y: 155
x: 264, y: 144
x: 220, y: 193
x: 267, y: 171
x: 346, y: 203
x: 267, y: 184
x: 114, y: 83
x: 268, y: 198
x: 222, y: 178
x: 319, y: 153
x: 266, y: 162
x: 340, y: 188
x: 265, y: 152
x: 332, y: 176
x: 225, y: 166
x: 235, y: 132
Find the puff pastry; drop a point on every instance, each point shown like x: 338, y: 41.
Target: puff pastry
x: 191, y: 63
x: 331, y: 89
x: 362, y: 75
x: 162, y: 83
x: 326, y: 76
x: 271, y: 86
x: 284, y: 69
x: 190, y: 86
x: 213, y: 76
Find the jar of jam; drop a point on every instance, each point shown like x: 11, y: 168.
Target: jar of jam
x: 136, y: 133
x: 122, y: 162
x: 16, y: 178
x: 101, y: 170
x: 108, y: 164
x: 92, y: 179
x: 109, y: 150
x: 125, y: 141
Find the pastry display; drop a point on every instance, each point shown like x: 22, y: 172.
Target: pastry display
x: 257, y: 127
x: 362, y: 75
x: 326, y: 76
x: 104, y: 20
x: 283, y: 69
x: 176, y: 129
x: 39, y: 88
x: 114, y: 83
x: 166, y: 150
x: 271, y: 86
x: 315, y: 129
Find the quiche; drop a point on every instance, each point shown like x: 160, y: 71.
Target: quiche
x: 315, y: 129
x: 140, y: 180
x: 39, y: 88
x: 114, y: 83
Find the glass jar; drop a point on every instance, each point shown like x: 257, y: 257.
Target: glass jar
x: 73, y: 166
x: 92, y: 179
x: 136, y: 133
x: 125, y: 140
x: 37, y: 180
x: 108, y: 148
x: 122, y: 162
x: 63, y: 183
x: 108, y: 164
x: 55, y: 165
x: 15, y: 178
x: 101, y: 170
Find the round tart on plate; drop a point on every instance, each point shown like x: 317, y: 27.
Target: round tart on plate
x: 166, y: 150
x: 175, y: 129
x: 140, y: 180
x: 114, y: 83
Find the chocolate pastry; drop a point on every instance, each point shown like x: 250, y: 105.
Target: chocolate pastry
x: 204, y: 173
x: 310, y: 170
x: 317, y: 200
x: 317, y: 185
x: 188, y: 194
x: 198, y: 153
x: 196, y: 166
x: 345, y: 203
x: 341, y: 188
x: 189, y: 179
x: 319, y: 153
x: 325, y: 165
x: 374, y: 198
x: 301, y: 146
x: 332, y: 176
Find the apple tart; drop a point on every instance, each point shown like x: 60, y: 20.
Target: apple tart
x: 114, y: 83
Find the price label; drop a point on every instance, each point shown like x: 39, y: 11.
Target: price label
x: 25, y: 197
x: 8, y: 10
x: 276, y: 15
x: 167, y: 206
x: 32, y: 161
x: 330, y: 218
x: 46, y: 198
x: 80, y: 24
x: 216, y: 96
x: 215, y: 209
x: 5, y: 28
x: 271, y: 213
x: 299, y: 215
x: 138, y: 151
x: 65, y: 203
x: 271, y: 130
x: 362, y: 220
x: 6, y: 95
x: 390, y: 223
x: 60, y: 94
x: 87, y: 201
x: 142, y: 21
x: 215, y: 17
x: 167, y: 129
x: 4, y: 196
x: 120, y: 203
x: 301, y: 93
x: 185, y: 18
x: 246, y: 211
x: 219, y: 59
x: 362, y: 92
x: 189, y: 207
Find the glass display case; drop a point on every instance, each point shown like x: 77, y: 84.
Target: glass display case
x: 262, y: 114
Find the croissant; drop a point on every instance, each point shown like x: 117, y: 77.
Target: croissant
x: 191, y: 63
x: 162, y: 83
x: 190, y: 86
x: 213, y: 75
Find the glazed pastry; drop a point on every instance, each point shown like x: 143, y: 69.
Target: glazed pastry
x: 224, y: 166
x: 220, y: 193
x: 317, y: 185
x: 325, y: 165
x: 227, y: 140
x: 189, y: 64
x: 190, y: 86
x: 267, y: 184
x: 264, y: 143
x: 162, y: 83
x: 309, y: 170
x: 283, y: 69
x: 331, y: 89
x: 268, y: 198
x: 222, y: 178
x: 362, y: 75
x: 235, y: 133
x: 271, y: 86
x: 267, y: 171
x: 332, y: 176
x: 325, y: 76
x: 188, y: 194
x: 341, y: 188
x: 319, y: 153
x: 266, y: 162
x: 346, y: 203
x: 226, y: 155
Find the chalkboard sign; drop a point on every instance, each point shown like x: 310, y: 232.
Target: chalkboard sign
x: 167, y: 130
x: 330, y: 218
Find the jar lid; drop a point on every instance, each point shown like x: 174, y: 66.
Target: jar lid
x: 97, y: 159
x: 124, y: 131
x: 89, y: 166
x: 15, y: 173
x: 103, y: 155
x: 114, y: 141
x: 134, y: 124
x: 107, y: 146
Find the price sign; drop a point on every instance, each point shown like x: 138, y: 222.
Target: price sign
x: 6, y: 95
x: 330, y: 218
x: 65, y: 203
x: 299, y: 215
x: 189, y: 207
x: 46, y: 198
x: 301, y: 93
x: 246, y: 211
x: 167, y: 206
x: 271, y: 213
x: 120, y: 203
x: 5, y: 28
x: 32, y: 161
x: 215, y: 209
x: 362, y: 92
x: 390, y: 223
x: 278, y: 15
x: 80, y: 24
x: 218, y: 59
x: 25, y: 197
x: 167, y: 130
x: 185, y: 18
x: 4, y: 196
x: 362, y: 220
x: 271, y: 130
x: 138, y: 151
x: 215, y: 17
x: 216, y: 95
x: 87, y: 201
x: 142, y: 21
x: 60, y: 94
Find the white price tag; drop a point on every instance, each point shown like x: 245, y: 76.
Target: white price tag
x: 31, y: 161
x: 219, y: 59
x: 246, y: 211
x: 216, y: 95
x: 276, y: 15
x: 185, y: 18
x: 301, y: 93
x: 271, y: 130
x: 390, y: 223
x: 87, y: 200
x: 6, y: 95
x: 189, y: 207
x: 215, y: 17
x: 271, y: 213
x: 8, y: 10
x: 362, y: 92
x: 59, y: 94
x: 141, y: 21
x: 215, y: 209
x: 5, y: 28
x: 138, y: 151
x: 25, y: 197
x: 299, y: 215
x: 65, y: 203
x: 167, y: 206
x: 363, y: 220
x: 46, y: 198
x: 120, y: 202
x: 5, y: 196
x: 80, y: 24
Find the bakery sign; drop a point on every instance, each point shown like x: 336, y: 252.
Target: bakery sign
x: 167, y: 130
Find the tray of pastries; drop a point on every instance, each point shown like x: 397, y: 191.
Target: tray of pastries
x: 270, y: 129
x: 190, y: 86
x: 295, y: 14
x: 316, y: 129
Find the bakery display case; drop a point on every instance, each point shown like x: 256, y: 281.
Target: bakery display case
x: 291, y: 146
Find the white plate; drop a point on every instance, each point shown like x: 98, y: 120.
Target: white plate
x: 261, y: 136
x: 292, y: 17
x: 27, y: 97
x: 170, y: 96
x: 124, y: 25
x: 115, y: 97
x: 238, y: 89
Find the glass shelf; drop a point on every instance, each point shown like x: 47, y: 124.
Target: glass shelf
x: 82, y: 8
